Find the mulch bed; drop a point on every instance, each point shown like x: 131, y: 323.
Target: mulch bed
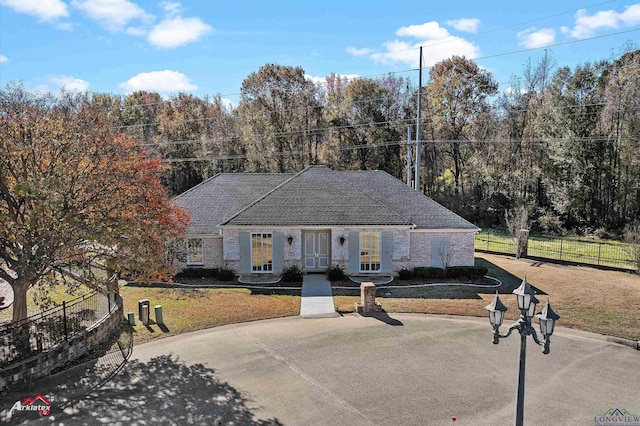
x: 212, y: 281
x: 418, y: 281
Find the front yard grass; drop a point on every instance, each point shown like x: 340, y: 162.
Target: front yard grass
x: 588, y: 299
x: 190, y: 309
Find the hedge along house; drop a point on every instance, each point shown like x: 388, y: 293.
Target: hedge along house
x: 368, y: 222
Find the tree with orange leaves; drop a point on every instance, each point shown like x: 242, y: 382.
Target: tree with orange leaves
x: 76, y: 197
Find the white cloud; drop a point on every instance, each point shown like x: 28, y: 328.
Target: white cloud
x: 114, y: 15
x: 631, y: 15
x: 586, y: 25
x: 438, y: 43
x: 3, y: 59
x: 533, y: 38
x: 69, y: 83
x: 428, y: 30
x: 172, y: 8
x: 159, y: 81
x: 323, y: 80
x: 177, y: 31
x: 359, y: 52
x: 44, y: 10
x: 510, y: 91
x: 468, y: 25
x: 228, y: 103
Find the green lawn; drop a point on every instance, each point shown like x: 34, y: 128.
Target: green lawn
x: 579, y: 250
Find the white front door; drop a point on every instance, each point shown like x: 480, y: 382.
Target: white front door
x: 316, y: 250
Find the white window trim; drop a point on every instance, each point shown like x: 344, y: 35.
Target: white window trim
x: 262, y: 248
x: 198, y: 263
x: 369, y: 271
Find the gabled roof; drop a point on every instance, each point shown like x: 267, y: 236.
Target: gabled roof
x: 415, y: 206
x: 223, y: 195
x: 317, y: 196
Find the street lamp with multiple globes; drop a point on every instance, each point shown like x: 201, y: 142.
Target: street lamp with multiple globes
x: 527, y: 303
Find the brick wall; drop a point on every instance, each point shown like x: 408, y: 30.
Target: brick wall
x: 212, y: 248
x: 461, y: 247
x: 410, y: 248
x: 43, y: 363
x: 211, y: 252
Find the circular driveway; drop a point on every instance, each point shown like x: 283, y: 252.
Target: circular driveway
x: 406, y: 369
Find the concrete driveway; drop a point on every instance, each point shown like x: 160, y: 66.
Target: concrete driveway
x: 405, y: 369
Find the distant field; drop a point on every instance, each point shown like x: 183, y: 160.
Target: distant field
x: 598, y: 252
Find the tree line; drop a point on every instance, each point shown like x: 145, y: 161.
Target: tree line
x: 560, y: 142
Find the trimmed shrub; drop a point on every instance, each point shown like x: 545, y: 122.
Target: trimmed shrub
x: 466, y: 271
x: 226, y: 274
x: 428, y: 272
x: 292, y: 274
x: 197, y: 273
x: 451, y: 272
x: 336, y: 273
x: 405, y: 274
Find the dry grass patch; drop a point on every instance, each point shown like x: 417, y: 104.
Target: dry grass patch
x: 588, y: 299
x: 605, y: 302
x: 186, y: 310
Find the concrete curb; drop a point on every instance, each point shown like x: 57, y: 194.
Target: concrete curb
x: 625, y: 342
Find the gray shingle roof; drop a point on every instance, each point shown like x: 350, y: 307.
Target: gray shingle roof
x: 223, y: 195
x: 416, y: 207
x: 315, y: 196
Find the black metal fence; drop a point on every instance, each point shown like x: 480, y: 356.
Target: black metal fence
x: 607, y: 253
x: 48, y: 328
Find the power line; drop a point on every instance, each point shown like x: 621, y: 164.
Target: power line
x: 157, y: 123
x: 395, y: 143
x: 556, y: 44
x: 399, y: 123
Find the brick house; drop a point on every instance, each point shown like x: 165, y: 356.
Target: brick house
x: 368, y: 222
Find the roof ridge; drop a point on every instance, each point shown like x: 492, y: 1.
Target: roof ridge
x: 348, y: 188
x: 227, y: 174
x: 421, y: 194
x: 227, y: 220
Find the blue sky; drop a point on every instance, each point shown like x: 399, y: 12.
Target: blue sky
x: 209, y: 47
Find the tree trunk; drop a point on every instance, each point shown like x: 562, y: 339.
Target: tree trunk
x: 20, y: 287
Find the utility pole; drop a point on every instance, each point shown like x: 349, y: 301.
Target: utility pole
x: 418, y: 126
x: 409, y: 155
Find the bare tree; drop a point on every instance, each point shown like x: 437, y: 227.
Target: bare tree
x: 518, y: 225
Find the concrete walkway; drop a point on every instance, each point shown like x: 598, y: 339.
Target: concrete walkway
x: 317, y: 297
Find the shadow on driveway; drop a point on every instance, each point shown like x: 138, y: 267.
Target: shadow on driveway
x: 383, y: 317
x: 160, y: 391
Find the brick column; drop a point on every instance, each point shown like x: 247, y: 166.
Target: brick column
x: 367, y: 299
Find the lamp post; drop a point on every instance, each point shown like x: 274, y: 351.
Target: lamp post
x: 527, y: 305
